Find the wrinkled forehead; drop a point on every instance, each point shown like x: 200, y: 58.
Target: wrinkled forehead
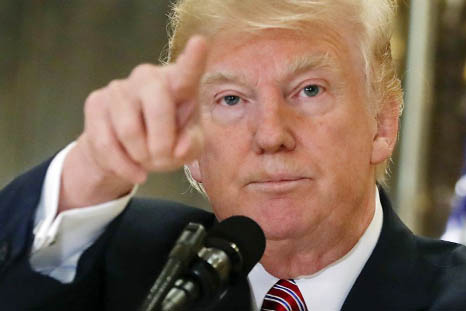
x: 286, y: 52
x: 295, y: 64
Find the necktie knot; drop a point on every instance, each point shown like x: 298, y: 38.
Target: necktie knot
x: 284, y: 296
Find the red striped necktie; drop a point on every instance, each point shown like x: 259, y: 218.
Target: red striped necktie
x: 284, y: 296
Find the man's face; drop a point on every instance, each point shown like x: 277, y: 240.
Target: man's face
x: 289, y: 138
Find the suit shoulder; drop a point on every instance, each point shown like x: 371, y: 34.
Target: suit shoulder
x: 20, y: 197
x: 152, y: 219
x: 447, y: 262
x: 18, y: 203
x: 152, y: 211
x: 442, y: 254
x: 142, y: 237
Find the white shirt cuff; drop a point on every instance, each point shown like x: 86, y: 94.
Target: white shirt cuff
x: 60, y: 241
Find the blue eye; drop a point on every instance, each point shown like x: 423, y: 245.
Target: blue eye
x: 231, y: 100
x: 312, y: 90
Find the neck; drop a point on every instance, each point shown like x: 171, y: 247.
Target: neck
x: 321, y: 246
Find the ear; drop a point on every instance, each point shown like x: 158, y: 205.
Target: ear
x: 195, y: 171
x: 387, y: 132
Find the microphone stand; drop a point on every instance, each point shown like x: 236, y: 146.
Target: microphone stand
x: 186, y: 248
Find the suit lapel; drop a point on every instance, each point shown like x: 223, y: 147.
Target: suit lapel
x: 237, y: 297
x: 388, y: 281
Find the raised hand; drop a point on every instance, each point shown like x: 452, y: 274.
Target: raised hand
x: 147, y: 122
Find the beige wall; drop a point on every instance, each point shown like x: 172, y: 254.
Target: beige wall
x: 53, y: 53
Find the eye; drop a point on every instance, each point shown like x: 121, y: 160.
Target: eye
x: 231, y: 100
x: 312, y: 90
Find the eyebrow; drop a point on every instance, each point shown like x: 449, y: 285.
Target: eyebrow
x: 295, y: 66
x: 312, y: 62
x: 222, y: 77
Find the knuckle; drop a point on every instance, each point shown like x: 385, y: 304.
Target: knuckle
x: 116, y: 85
x: 95, y: 99
x: 129, y: 130
x: 144, y: 70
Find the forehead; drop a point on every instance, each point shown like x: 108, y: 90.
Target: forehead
x: 279, y: 52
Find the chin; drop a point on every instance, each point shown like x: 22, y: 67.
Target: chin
x: 282, y: 233
x: 281, y: 228
x: 279, y: 219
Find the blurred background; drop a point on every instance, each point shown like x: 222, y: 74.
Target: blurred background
x: 54, y: 53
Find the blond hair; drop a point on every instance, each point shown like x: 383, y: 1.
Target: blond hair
x: 371, y: 21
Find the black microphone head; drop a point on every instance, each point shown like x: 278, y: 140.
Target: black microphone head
x: 246, y: 234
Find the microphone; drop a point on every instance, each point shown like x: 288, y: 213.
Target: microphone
x: 183, y: 253
x: 232, y: 248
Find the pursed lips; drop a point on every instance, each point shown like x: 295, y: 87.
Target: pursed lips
x: 278, y: 183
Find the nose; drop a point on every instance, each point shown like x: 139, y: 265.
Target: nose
x: 272, y: 127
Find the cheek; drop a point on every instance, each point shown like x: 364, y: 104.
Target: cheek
x: 225, y: 151
x: 341, y: 143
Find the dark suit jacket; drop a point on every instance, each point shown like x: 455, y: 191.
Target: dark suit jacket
x: 405, y: 272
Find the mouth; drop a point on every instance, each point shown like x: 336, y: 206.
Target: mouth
x: 278, y: 185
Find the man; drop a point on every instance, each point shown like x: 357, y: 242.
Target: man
x: 283, y: 111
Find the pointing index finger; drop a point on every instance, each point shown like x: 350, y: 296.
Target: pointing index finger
x: 186, y: 73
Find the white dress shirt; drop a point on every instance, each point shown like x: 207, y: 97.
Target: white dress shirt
x: 60, y: 241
